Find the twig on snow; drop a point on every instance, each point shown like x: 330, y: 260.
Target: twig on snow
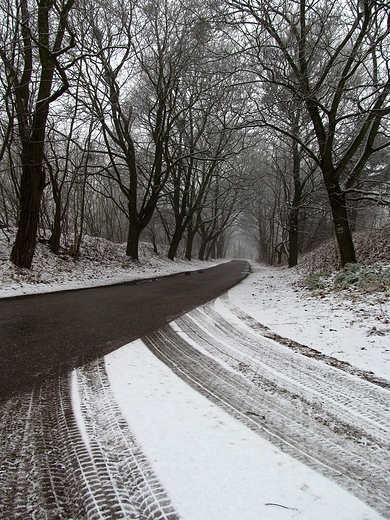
x: 280, y: 505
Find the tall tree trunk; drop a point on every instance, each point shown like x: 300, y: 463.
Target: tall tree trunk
x: 293, y: 217
x: 32, y: 122
x: 177, y: 236
x: 293, y: 237
x: 190, y: 241
x: 211, y: 252
x: 32, y: 185
x: 56, y: 234
x: 220, y: 248
x: 133, y: 242
x: 202, y: 249
x: 338, y: 205
x: 82, y: 215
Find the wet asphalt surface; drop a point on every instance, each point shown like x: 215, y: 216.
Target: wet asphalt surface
x: 55, y: 332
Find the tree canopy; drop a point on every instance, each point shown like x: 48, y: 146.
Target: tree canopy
x: 264, y: 122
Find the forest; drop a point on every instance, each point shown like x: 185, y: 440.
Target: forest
x: 252, y: 128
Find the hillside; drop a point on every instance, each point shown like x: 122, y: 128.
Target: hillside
x: 369, y: 278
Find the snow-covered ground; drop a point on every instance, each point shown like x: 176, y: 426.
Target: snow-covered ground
x: 348, y: 325
x: 211, y: 465
x: 214, y: 467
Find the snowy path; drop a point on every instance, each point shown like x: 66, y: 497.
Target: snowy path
x: 205, y: 419
x: 213, y: 466
x: 334, y: 422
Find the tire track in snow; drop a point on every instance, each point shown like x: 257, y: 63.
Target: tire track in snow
x: 18, y: 473
x: 302, y: 349
x: 304, y: 406
x: 34, y: 480
x: 48, y: 472
x: 275, y: 364
x: 122, y: 465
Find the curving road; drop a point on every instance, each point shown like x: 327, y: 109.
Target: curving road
x: 51, y: 333
x: 67, y: 451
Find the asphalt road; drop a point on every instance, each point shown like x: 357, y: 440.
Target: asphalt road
x: 55, y: 332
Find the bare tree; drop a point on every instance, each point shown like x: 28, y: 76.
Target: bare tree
x: 207, y: 143
x: 334, y: 58
x: 35, y: 36
x: 220, y: 211
x: 290, y: 160
x: 132, y: 77
x: 261, y: 219
x: 70, y: 162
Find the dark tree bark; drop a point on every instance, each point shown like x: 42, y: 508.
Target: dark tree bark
x: 341, y: 223
x: 32, y: 121
x: 212, y: 251
x: 189, y: 245
x: 192, y: 229
x: 202, y: 249
x: 293, y: 237
x: 220, y: 248
x: 176, y: 239
x: 133, y: 242
x: 31, y: 189
x: 293, y: 217
x: 55, y: 238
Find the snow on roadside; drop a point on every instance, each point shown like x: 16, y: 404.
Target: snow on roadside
x: 101, y: 263
x: 356, y: 331
x: 233, y: 473
x: 211, y: 465
x: 351, y: 326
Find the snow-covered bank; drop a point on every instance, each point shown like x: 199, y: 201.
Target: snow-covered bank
x: 101, y: 263
x: 356, y: 331
x: 351, y: 326
x: 211, y: 465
